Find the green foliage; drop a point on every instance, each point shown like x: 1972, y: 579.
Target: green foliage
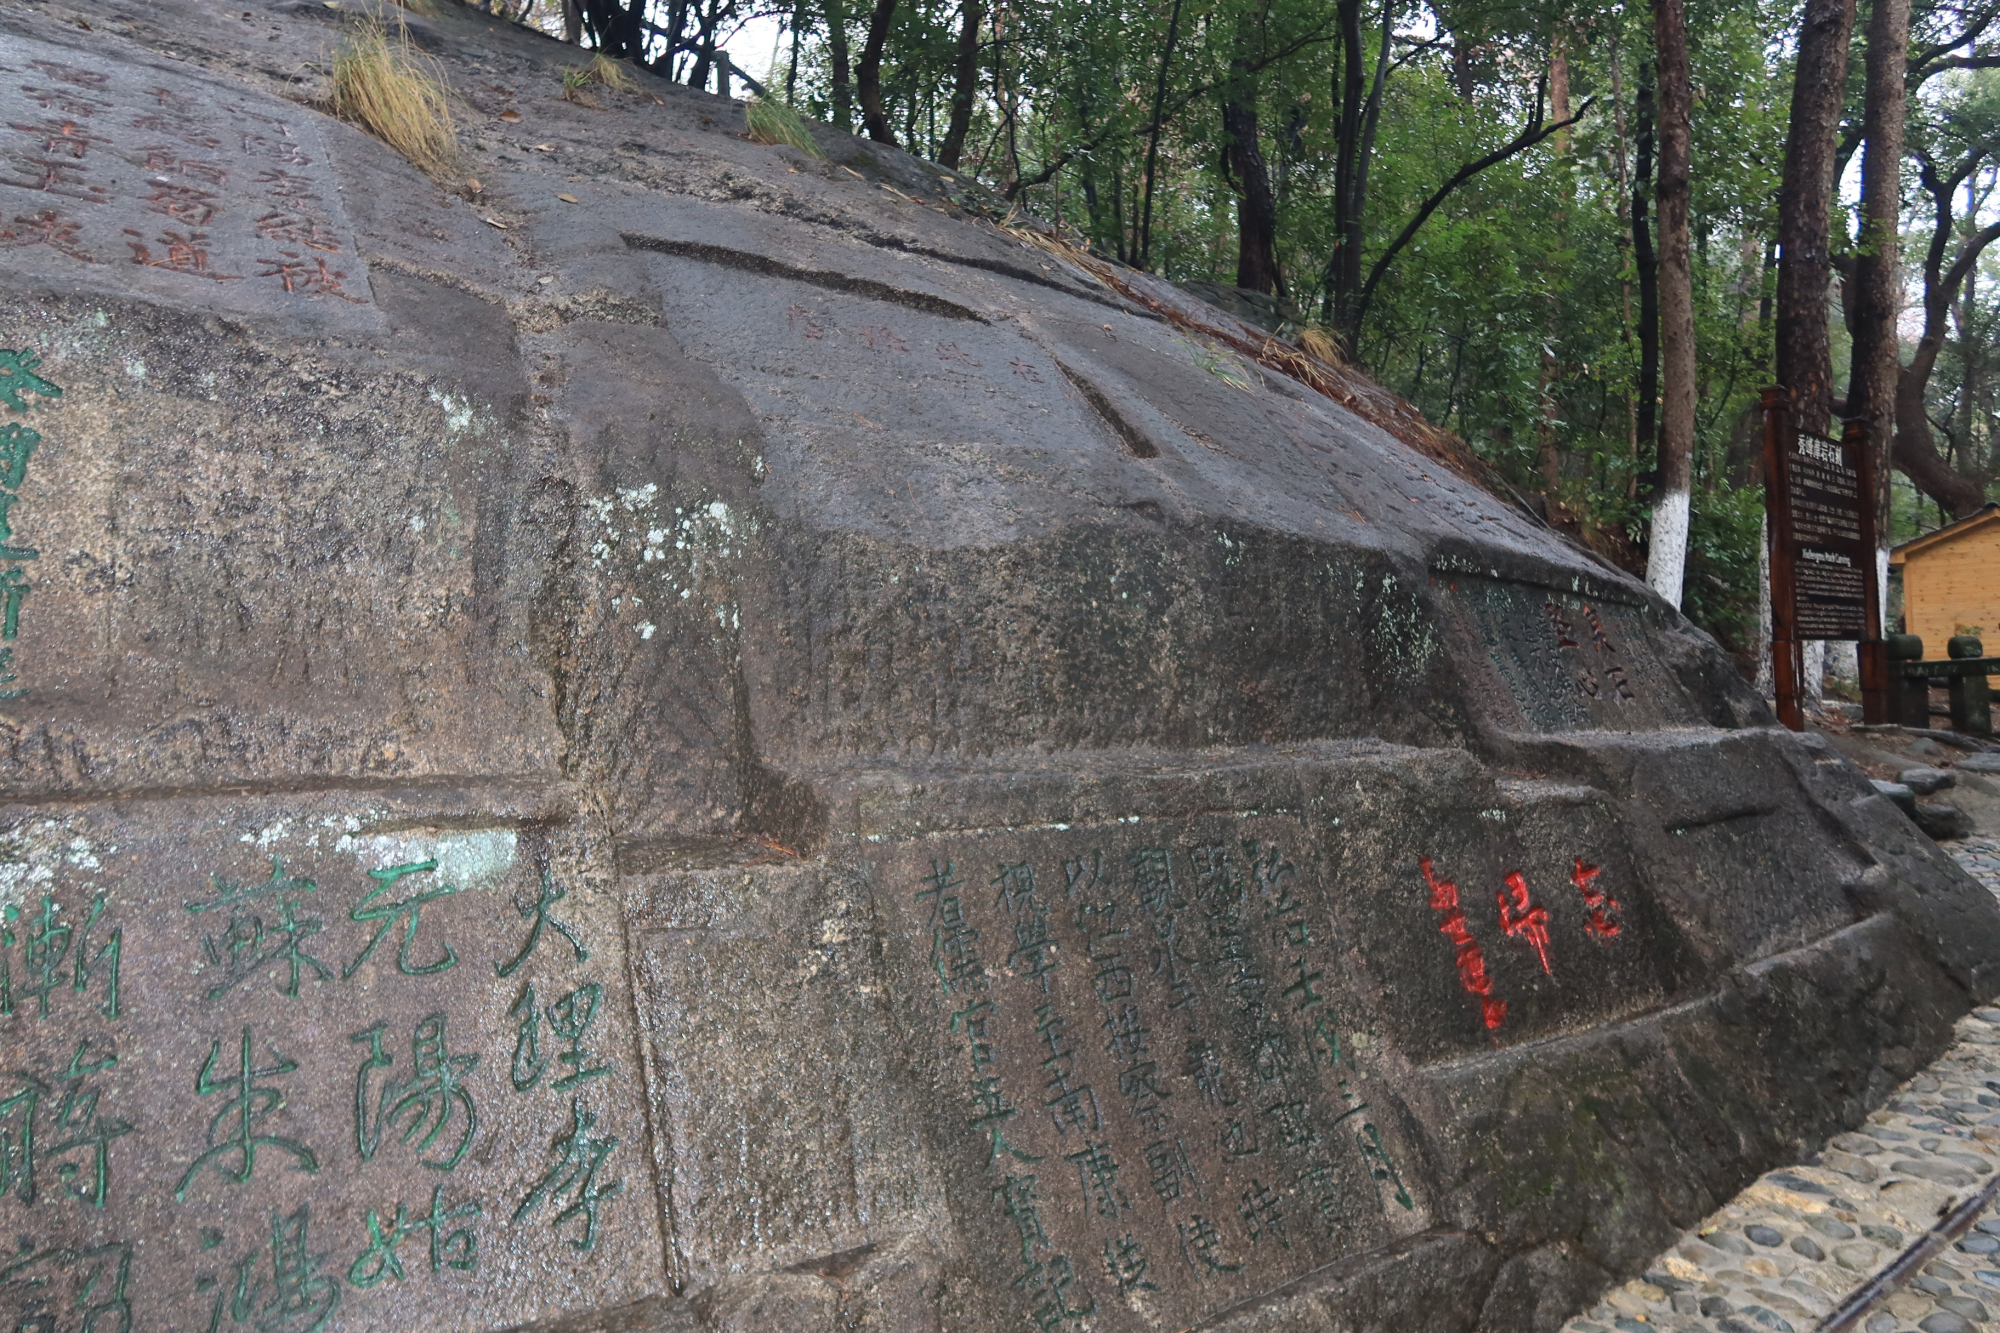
x: 772, y: 122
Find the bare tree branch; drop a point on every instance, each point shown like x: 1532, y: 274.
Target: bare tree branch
x: 1531, y: 134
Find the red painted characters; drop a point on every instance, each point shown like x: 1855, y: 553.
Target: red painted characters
x: 1471, y: 962
x: 1600, y: 903
x: 1522, y: 918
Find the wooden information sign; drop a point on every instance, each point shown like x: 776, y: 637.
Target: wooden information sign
x: 1819, y: 495
x: 1829, y: 561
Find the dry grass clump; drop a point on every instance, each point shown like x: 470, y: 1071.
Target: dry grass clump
x: 612, y: 74
x: 395, y: 92
x: 602, y: 71
x: 772, y: 122
x: 1317, y: 342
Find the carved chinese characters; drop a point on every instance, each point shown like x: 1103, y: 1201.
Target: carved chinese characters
x: 110, y: 176
x: 271, y: 1076
x: 21, y: 391
x: 1575, y: 657
x: 1159, y: 1097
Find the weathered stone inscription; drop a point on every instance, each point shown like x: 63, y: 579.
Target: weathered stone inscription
x: 1148, y: 1042
x: 277, y: 1071
x: 22, y: 390
x: 1570, y: 660
x: 140, y: 178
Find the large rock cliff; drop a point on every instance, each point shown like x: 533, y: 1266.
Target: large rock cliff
x: 700, y: 738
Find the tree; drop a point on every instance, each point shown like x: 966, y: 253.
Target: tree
x: 1647, y: 271
x: 868, y: 77
x: 1666, y: 557
x: 1949, y: 262
x: 1354, y: 151
x: 836, y: 37
x: 964, y: 84
x: 1876, y: 294
x: 1246, y: 172
x: 1804, y: 354
x: 1533, y: 133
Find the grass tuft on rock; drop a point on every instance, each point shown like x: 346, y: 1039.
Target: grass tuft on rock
x: 387, y: 86
x: 772, y: 122
x: 1318, y: 343
x: 602, y: 71
x: 612, y: 74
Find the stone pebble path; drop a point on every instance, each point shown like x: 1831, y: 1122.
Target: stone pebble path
x: 1780, y: 1256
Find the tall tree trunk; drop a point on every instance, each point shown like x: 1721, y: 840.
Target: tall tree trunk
x: 1548, y: 450
x: 1142, y: 246
x: 1008, y: 97
x: 836, y: 36
x: 1344, y: 270
x: 1354, y: 152
x: 1646, y: 266
x: 964, y: 85
x: 1805, y: 199
x: 1624, y: 168
x: 1877, y: 288
x: 1805, y: 196
x: 1256, y: 207
x: 798, y: 23
x: 677, y: 14
x: 1354, y: 220
x: 1463, y: 77
x: 1666, y: 556
x: 868, y: 78
x: 705, y: 18
x: 1122, y: 247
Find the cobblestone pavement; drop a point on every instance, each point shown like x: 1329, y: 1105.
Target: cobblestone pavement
x: 1782, y: 1254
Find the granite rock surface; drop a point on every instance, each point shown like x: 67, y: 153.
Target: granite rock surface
x: 698, y: 737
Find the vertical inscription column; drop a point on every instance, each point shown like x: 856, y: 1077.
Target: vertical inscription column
x: 66, y: 1022
x: 1157, y: 1098
x: 1044, y: 1274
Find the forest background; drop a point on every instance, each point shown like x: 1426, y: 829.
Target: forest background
x: 1463, y: 195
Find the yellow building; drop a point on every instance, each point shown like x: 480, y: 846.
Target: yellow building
x: 1951, y: 580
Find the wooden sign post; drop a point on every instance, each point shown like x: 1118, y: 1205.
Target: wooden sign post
x: 1819, y: 497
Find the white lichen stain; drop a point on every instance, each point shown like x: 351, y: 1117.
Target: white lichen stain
x: 685, y: 555
x: 264, y: 837
x: 457, y: 412
x: 31, y: 854
x: 468, y: 860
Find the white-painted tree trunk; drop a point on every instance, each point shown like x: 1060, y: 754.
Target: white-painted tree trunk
x: 1666, y: 554
x: 1767, y: 680
x: 1882, y: 588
